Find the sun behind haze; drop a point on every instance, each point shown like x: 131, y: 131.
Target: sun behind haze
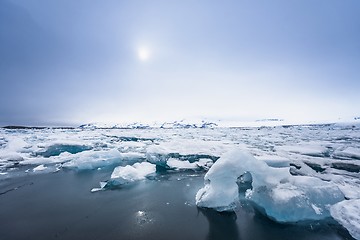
x: 143, y: 54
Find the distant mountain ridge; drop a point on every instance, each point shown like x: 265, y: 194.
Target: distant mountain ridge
x: 196, y: 123
x: 165, y: 125
x: 209, y: 124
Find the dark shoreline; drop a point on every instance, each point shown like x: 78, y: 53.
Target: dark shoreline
x: 61, y: 206
x: 32, y: 127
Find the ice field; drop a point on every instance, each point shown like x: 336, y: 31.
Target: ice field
x: 291, y: 173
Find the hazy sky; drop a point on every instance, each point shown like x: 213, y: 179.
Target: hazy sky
x: 69, y: 62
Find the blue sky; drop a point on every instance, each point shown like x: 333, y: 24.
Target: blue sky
x: 71, y: 62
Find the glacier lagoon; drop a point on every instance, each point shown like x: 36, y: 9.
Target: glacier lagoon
x: 144, y: 183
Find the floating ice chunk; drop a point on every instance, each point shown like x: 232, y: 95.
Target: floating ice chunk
x: 102, y: 186
x: 136, y: 172
x: 39, y: 168
x: 283, y: 197
x: 347, y: 213
x: 127, y: 174
x: 56, y: 149
x: 93, y: 159
x: 178, y: 164
x: 132, y: 156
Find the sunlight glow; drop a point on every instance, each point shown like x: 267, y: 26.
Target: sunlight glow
x: 143, y: 54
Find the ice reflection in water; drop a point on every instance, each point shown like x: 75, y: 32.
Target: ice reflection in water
x: 222, y: 225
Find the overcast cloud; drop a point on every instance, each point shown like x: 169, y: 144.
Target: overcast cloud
x: 70, y: 62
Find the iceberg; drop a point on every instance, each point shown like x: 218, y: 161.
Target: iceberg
x: 347, y: 213
x: 278, y: 194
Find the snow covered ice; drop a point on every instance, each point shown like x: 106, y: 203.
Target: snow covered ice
x: 348, y: 214
x: 314, y: 167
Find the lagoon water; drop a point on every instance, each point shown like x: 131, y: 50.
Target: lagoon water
x: 61, y: 206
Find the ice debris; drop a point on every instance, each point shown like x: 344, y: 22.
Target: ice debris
x: 347, y: 213
x: 177, y: 164
x: 136, y: 172
x: 128, y: 174
x: 281, y: 196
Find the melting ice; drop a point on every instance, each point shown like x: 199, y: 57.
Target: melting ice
x: 280, y: 195
x: 315, y: 167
